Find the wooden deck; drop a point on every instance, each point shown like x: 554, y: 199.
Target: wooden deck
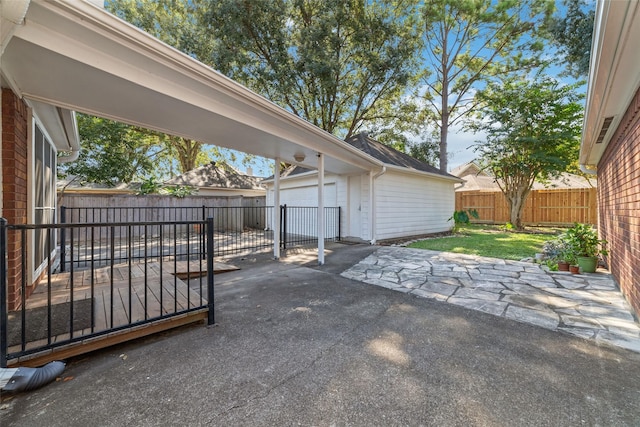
x: 122, y: 295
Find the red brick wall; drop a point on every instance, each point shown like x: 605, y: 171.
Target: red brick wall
x: 15, y: 123
x: 619, y: 203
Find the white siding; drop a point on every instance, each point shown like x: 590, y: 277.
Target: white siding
x: 304, y: 191
x: 409, y: 205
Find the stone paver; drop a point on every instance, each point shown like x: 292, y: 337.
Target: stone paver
x: 589, y: 306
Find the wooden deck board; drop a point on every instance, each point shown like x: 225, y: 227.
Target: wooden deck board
x: 144, y: 286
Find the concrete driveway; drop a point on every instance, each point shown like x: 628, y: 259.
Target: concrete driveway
x: 301, y: 345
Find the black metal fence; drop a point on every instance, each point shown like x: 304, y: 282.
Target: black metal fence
x: 299, y: 225
x: 237, y: 230
x: 135, y: 283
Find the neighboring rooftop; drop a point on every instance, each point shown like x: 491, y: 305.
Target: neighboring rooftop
x: 214, y: 175
x: 477, y: 179
x: 470, y: 168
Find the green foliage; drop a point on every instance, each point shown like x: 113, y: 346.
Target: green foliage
x: 150, y: 186
x: 508, y: 226
x: 582, y: 241
x: 469, y: 43
x: 112, y: 152
x: 175, y: 22
x: 533, y: 129
x: 554, y: 250
x: 551, y: 265
x: 487, y: 241
x: 180, y: 191
x: 341, y: 65
x: 571, y: 32
x: 463, y: 218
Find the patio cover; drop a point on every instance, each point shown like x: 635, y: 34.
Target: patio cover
x: 74, y: 55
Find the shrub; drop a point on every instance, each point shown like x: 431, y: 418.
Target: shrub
x: 462, y: 218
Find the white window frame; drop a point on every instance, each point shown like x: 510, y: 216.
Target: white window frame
x: 36, y: 268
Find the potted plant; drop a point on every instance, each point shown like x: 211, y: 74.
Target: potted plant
x: 555, y: 251
x: 583, y: 242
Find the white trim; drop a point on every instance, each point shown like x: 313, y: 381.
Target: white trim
x: 614, y: 74
x: 321, y: 224
x: 276, y: 209
x: 78, y: 35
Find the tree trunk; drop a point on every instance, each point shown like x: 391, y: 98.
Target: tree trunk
x: 444, y: 125
x: 444, y: 130
x: 516, y: 200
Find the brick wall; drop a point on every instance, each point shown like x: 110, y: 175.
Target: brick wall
x: 14, y: 185
x: 619, y: 203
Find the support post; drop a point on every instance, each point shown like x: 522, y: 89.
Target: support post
x: 321, y: 224
x: 276, y: 209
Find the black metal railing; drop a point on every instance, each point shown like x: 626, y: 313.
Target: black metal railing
x: 299, y: 225
x: 138, y: 282
x: 237, y: 229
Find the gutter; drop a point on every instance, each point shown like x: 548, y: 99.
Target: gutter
x: 13, y: 11
x: 372, y: 204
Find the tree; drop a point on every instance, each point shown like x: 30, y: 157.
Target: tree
x: 338, y: 64
x: 533, y: 129
x: 571, y: 32
x: 177, y: 23
x: 469, y: 43
x: 113, y: 152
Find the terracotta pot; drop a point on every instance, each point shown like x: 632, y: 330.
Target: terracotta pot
x: 563, y: 266
x: 574, y: 269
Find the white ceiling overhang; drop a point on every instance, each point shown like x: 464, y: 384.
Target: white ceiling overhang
x: 76, y: 56
x: 614, y: 74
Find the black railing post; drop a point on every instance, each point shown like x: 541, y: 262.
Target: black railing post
x: 211, y: 315
x: 4, y: 315
x: 339, y: 224
x: 63, y: 238
x: 283, y: 226
x: 203, y: 233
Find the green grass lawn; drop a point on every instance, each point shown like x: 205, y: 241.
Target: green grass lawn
x: 490, y: 241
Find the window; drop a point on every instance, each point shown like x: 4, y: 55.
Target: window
x: 44, y: 195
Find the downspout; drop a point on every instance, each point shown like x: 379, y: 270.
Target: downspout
x: 588, y: 171
x: 70, y: 125
x: 372, y: 204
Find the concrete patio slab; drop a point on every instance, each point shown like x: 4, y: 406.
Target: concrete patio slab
x: 301, y: 345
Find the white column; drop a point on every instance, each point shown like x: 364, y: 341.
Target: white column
x: 276, y: 209
x: 372, y: 207
x: 321, y: 231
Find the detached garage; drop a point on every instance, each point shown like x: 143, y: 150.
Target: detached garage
x: 404, y: 198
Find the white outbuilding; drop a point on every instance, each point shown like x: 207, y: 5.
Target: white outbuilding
x: 403, y: 198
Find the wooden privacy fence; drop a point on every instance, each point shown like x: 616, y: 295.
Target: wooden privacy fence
x: 543, y: 207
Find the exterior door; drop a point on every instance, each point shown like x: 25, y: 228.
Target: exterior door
x: 355, y: 206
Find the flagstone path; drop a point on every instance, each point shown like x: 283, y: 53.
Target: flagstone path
x: 586, y: 305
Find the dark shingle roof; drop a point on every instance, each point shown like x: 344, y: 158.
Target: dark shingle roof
x: 375, y: 149
x: 389, y: 155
